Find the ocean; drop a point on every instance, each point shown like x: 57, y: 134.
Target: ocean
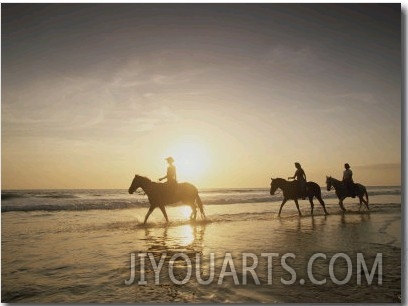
x: 109, y: 199
x: 76, y: 245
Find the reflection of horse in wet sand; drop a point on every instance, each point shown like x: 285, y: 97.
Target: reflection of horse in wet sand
x: 162, y: 194
x: 291, y: 191
x: 342, y: 192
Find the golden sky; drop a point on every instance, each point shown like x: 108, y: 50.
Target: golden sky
x: 93, y: 94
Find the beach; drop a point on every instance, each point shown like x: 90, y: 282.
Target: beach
x: 85, y: 255
x: 107, y: 105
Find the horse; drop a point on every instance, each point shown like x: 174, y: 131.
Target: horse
x: 291, y: 191
x: 342, y: 193
x: 161, y: 194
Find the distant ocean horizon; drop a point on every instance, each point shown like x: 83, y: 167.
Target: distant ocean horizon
x: 107, y: 199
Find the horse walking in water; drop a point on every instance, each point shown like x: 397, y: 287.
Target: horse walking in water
x: 342, y: 192
x: 160, y: 194
x: 291, y: 191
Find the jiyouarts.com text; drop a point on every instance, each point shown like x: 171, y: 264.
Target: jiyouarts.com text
x: 319, y: 268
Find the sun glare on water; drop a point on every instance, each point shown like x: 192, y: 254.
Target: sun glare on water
x: 185, y: 211
x: 184, y: 235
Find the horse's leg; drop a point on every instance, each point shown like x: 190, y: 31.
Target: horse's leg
x: 311, y: 204
x: 297, y: 206
x: 163, y: 209
x: 193, y: 215
x: 323, y: 205
x: 148, y: 213
x: 341, y: 204
x: 358, y: 194
x: 366, y: 203
x: 366, y: 200
x: 283, y: 203
x: 362, y: 200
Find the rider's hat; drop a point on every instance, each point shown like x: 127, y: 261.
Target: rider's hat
x: 170, y: 159
x: 297, y: 164
x: 346, y: 165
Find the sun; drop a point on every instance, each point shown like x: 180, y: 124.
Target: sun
x: 192, y: 160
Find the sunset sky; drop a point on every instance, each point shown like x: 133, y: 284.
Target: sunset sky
x: 93, y: 94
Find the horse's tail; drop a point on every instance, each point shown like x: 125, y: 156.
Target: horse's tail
x: 366, y: 194
x: 200, y: 205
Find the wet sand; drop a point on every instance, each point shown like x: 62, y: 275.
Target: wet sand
x: 85, y: 257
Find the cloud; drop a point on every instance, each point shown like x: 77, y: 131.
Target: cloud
x: 81, y: 104
x: 303, y: 61
x: 284, y: 55
x: 148, y: 120
x: 380, y: 166
x: 61, y: 103
x: 158, y: 69
x: 356, y: 97
x: 334, y: 103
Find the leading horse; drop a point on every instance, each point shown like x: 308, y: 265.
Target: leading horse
x: 162, y: 194
x: 342, y: 192
x: 291, y: 191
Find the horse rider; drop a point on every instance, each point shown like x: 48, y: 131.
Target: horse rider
x: 171, y: 172
x: 348, y: 180
x: 300, y: 177
x: 171, y: 176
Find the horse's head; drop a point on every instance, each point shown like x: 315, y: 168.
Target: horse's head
x: 274, y: 186
x: 329, y: 183
x: 136, y: 183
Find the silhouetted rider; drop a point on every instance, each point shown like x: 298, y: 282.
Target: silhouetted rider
x: 171, y: 177
x: 171, y: 172
x: 348, y: 180
x: 300, y: 176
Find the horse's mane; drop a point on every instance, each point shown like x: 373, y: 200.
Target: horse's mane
x: 144, y: 178
x: 334, y: 179
x: 279, y: 179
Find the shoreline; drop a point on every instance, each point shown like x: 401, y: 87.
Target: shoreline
x: 84, y: 256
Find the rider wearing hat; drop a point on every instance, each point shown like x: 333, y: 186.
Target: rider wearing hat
x: 171, y: 184
x: 171, y: 172
x: 348, y: 180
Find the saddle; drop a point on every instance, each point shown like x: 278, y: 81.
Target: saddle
x: 350, y: 189
x: 170, y: 190
x: 300, y: 194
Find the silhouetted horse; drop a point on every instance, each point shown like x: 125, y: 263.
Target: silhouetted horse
x: 342, y: 192
x: 291, y: 191
x: 160, y: 194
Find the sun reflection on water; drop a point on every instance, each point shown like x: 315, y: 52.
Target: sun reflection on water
x: 184, y: 211
x: 184, y: 235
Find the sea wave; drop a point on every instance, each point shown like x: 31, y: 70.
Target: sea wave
x: 52, y: 195
x: 76, y: 200
x: 8, y: 196
x: 72, y: 206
